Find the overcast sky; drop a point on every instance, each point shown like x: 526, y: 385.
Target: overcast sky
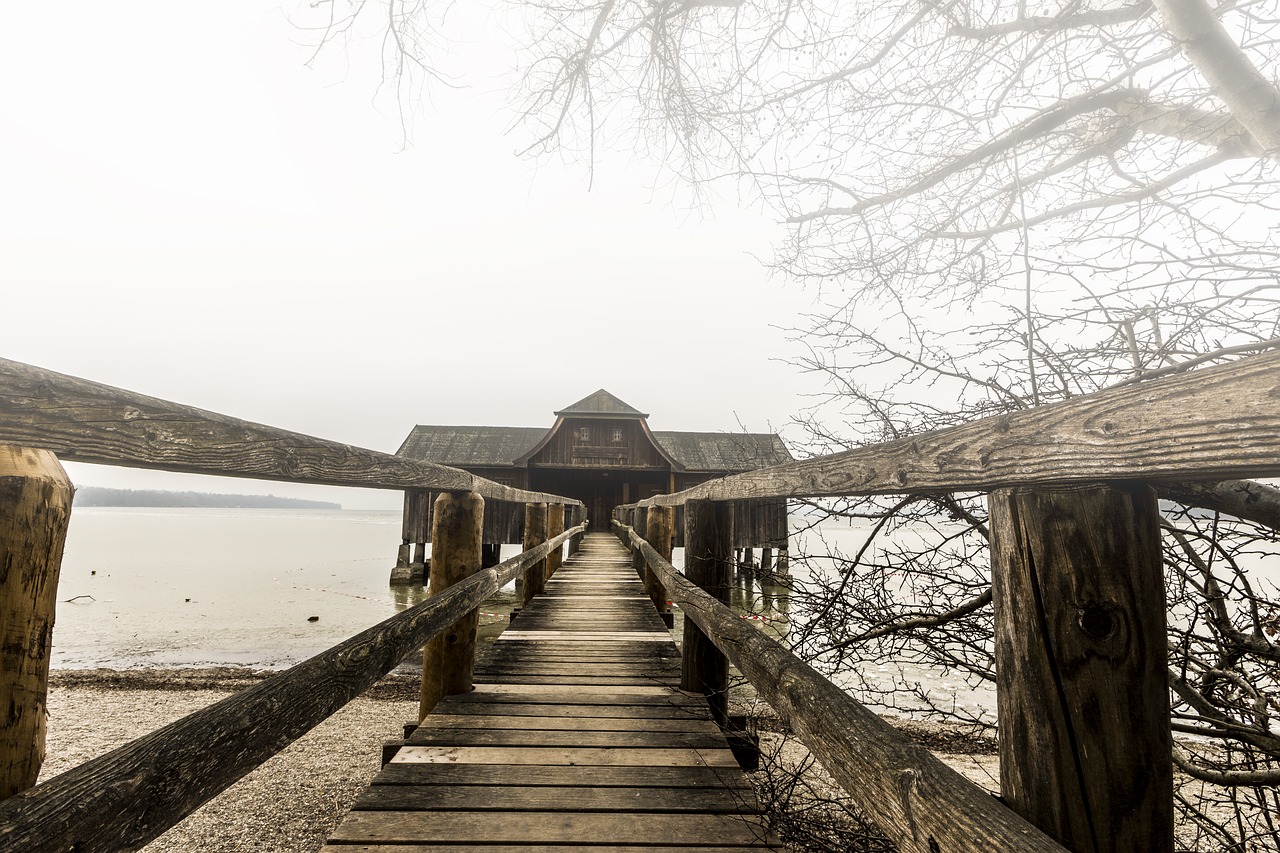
x: 191, y: 212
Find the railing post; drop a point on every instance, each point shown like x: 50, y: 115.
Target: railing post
x: 638, y: 524
x: 658, y: 533
x: 555, y: 526
x: 448, y: 660
x: 535, y: 533
x: 708, y: 563
x: 575, y: 541
x: 1081, y: 664
x: 35, y: 508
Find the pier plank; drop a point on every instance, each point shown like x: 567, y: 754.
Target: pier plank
x: 576, y: 734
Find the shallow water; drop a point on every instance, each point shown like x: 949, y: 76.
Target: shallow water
x: 199, y: 587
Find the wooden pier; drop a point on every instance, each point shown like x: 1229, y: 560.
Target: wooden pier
x: 576, y: 735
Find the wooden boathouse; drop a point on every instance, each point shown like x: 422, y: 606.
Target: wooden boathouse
x: 601, y: 452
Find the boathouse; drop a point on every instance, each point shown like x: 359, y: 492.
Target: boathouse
x: 601, y: 451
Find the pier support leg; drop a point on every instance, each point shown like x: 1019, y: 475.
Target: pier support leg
x: 413, y: 548
x: 555, y: 526
x: 448, y: 660
x: 35, y: 508
x: 708, y: 562
x: 535, y: 533
x: 1081, y: 664
x: 658, y: 533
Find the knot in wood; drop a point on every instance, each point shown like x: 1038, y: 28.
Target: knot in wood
x: 1096, y: 620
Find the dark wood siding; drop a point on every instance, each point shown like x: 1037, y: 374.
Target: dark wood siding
x: 600, y: 443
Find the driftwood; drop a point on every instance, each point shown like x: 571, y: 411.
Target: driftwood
x: 122, y: 800
x: 1214, y: 424
x: 920, y: 803
x: 85, y: 421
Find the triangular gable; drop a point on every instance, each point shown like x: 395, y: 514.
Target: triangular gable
x: 601, y: 404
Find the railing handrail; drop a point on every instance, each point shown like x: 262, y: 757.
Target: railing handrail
x: 123, y: 799
x: 1216, y: 423
x: 87, y: 421
x: 914, y: 798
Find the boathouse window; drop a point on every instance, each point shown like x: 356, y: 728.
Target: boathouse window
x: 617, y: 436
x: 584, y: 435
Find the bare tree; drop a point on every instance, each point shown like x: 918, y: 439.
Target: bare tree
x: 997, y: 205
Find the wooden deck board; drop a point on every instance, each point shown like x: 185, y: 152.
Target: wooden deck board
x: 576, y: 735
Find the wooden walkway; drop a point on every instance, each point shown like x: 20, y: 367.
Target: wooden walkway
x: 576, y: 736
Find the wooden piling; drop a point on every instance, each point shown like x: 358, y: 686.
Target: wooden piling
x: 448, y: 660
x: 708, y: 563
x: 1081, y: 664
x: 638, y: 523
x: 406, y: 543
x: 658, y: 532
x: 535, y: 533
x: 555, y: 526
x: 35, y: 508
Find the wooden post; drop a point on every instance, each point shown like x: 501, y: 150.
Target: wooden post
x: 658, y: 529
x: 1081, y: 664
x: 748, y: 558
x: 535, y: 533
x: 35, y: 507
x: 575, y: 541
x: 449, y: 659
x: 403, y: 573
x: 766, y: 559
x: 402, y: 557
x: 639, y: 525
x: 555, y: 526
x: 708, y: 562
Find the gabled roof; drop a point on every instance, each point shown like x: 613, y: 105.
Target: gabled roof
x: 723, y: 451
x: 504, y: 446
x: 470, y: 445
x: 601, y: 404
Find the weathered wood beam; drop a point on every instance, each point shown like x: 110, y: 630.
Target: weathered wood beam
x: 659, y: 524
x: 555, y: 526
x: 448, y: 659
x: 1213, y: 424
x: 920, y: 803
x: 1082, y: 665
x: 708, y: 564
x: 535, y: 533
x: 35, y: 508
x: 123, y: 799
x: 86, y: 421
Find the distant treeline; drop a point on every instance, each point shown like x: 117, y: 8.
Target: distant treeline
x: 99, y: 496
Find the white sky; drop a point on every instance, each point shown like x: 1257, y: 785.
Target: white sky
x: 188, y: 211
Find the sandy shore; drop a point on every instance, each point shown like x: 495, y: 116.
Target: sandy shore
x: 290, y: 803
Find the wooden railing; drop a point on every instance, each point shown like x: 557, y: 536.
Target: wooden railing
x: 1077, y: 595
x: 1078, y: 598
x: 125, y: 798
